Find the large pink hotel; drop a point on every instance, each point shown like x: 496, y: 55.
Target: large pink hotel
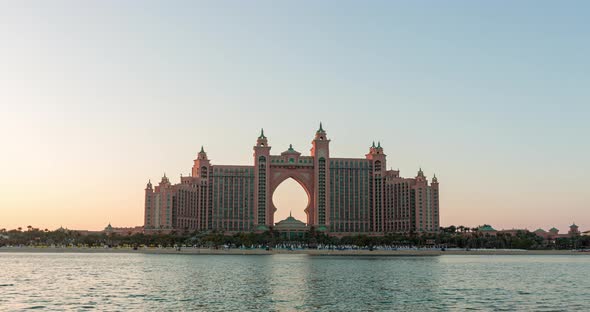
x: 346, y: 195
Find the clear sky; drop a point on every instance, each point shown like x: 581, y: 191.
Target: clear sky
x: 97, y: 97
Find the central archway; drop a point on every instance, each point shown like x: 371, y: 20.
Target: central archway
x: 290, y: 199
x: 305, y: 180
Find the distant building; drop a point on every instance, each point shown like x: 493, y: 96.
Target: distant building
x: 487, y: 230
x: 573, y: 230
x: 553, y: 233
x: 346, y: 195
x: 513, y: 232
x: 81, y: 232
x: 109, y: 230
x: 541, y: 232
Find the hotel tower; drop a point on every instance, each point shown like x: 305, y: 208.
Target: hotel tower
x: 345, y: 195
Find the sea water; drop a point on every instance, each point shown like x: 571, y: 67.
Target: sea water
x: 149, y: 282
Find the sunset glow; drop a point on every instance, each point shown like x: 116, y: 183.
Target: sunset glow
x: 98, y: 98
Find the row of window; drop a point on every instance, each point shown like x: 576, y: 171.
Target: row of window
x: 322, y: 191
x: 261, y: 190
x: 291, y: 160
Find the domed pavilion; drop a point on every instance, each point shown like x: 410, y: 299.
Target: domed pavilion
x: 291, y: 228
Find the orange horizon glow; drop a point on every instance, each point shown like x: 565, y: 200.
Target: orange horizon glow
x: 96, y: 98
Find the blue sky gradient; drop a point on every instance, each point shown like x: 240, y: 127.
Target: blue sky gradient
x: 97, y: 97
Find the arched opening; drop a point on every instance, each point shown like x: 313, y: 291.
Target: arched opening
x: 290, y: 197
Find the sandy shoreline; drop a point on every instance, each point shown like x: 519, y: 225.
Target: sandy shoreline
x: 312, y: 252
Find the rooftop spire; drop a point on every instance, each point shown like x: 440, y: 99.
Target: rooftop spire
x: 379, y: 144
x: 261, y: 134
x: 420, y: 172
x: 373, y: 144
x: 321, y: 129
x: 291, y: 150
x: 202, y: 149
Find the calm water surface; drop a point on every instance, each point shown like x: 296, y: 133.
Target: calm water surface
x: 129, y: 282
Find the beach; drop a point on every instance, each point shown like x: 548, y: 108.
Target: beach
x: 311, y: 252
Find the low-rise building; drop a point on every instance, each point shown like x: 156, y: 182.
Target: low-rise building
x: 110, y: 230
x: 553, y: 233
x: 513, y: 232
x: 487, y: 230
x: 291, y: 228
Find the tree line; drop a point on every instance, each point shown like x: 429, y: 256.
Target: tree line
x: 450, y: 237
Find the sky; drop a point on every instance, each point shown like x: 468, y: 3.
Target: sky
x: 97, y: 97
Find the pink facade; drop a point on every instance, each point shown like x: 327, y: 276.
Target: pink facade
x: 553, y: 233
x: 345, y: 195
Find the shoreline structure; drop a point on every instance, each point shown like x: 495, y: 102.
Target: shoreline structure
x: 310, y: 252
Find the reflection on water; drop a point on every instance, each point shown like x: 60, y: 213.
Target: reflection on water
x: 291, y: 282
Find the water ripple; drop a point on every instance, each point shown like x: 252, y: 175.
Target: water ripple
x: 136, y: 282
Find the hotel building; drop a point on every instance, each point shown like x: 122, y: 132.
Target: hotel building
x: 345, y: 195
